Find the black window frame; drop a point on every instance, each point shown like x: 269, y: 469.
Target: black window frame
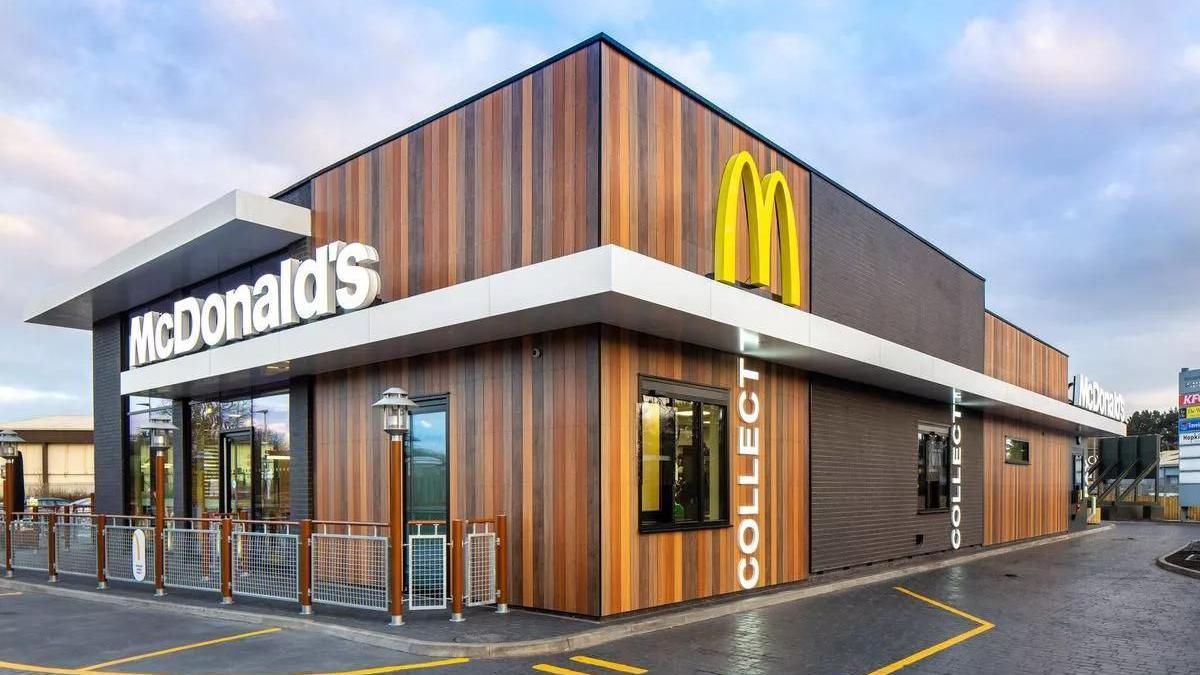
x: 698, y: 395
x: 943, y: 430
x: 1028, y: 451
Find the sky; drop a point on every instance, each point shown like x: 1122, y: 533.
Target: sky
x: 1052, y: 147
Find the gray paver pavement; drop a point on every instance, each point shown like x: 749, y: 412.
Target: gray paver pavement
x: 1095, y: 604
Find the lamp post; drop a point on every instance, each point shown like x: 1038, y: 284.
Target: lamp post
x: 395, y: 405
x: 8, y: 452
x: 158, y: 430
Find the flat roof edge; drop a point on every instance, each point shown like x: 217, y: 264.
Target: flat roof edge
x: 76, y: 303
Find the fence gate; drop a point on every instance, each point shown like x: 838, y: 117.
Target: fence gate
x: 350, y: 570
x: 479, y: 558
x: 31, y: 543
x: 118, y: 551
x: 265, y: 565
x: 75, y: 546
x: 426, y: 571
x: 193, y: 555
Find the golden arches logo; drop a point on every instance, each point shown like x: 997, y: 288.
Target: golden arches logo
x: 763, y: 198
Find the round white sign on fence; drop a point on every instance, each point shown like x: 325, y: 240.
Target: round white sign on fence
x: 138, y: 554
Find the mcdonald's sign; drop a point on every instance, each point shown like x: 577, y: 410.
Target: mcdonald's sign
x: 764, y: 198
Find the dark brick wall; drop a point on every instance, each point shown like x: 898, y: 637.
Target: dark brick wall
x: 871, y: 274
x: 181, y: 458
x: 864, y: 476
x: 109, y: 412
x: 300, y: 440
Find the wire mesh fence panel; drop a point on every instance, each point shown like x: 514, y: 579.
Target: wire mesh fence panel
x: 350, y: 570
x: 128, y: 556
x: 480, y: 561
x: 426, y: 571
x: 75, y: 547
x: 30, y: 544
x: 264, y: 565
x: 193, y: 557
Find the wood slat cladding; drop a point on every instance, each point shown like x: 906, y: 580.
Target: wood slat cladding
x: 523, y: 440
x: 865, y: 506
x: 1024, y: 500
x: 647, y: 570
x: 662, y: 158
x: 1019, y: 358
x: 507, y: 180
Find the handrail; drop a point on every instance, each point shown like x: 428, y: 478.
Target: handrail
x: 1132, y: 486
x: 1113, y: 485
x: 1094, y: 485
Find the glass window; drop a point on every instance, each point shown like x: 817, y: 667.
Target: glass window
x: 206, y: 458
x: 684, y: 450
x: 275, y: 459
x: 1016, y: 451
x: 933, y: 467
x: 141, y: 472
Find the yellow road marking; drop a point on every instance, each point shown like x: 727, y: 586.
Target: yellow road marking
x: 405, y: 666
x: 172, y: 650
x: 983, y: 627
x: 547, y: 668
x: 611, y: 665
x: 50, y: 670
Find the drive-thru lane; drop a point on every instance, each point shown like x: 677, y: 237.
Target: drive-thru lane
x: 1095, y: 604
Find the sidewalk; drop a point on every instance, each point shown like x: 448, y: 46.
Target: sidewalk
x: 486, y: 634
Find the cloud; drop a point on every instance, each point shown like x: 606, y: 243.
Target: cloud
x: 22, y: 395
x: 1043, y: 52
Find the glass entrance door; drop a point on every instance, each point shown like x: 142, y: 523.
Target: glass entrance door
x: 237, y: 474
x: 426, y: 464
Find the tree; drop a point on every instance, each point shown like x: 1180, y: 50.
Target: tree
x: 1162, y: 422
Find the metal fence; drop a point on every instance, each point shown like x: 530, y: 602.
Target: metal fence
x: 479, y: 553
x: 30, y: 541
x: 265, y: 561
x: 119, y: 540
x: 426, y: 567
x: 75, y: 545
x: 193, y: 554
x: 323, y: 562
x: 350, y: 566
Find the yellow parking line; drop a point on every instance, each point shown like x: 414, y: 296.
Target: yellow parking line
x: 49, y: 670
x: 405, y: 666
x: 611, y: 665
x: 983, y: 627
x: 547, y: 668
x: 172, y: 650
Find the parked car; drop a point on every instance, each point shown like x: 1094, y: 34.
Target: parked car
x: 82, y: 505
x: 46, y: 503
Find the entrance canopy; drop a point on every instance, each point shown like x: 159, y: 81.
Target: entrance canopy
x: 611, y: 285
x: 229, y: 232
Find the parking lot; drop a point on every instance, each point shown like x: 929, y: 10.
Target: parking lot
x: 1095, y: 604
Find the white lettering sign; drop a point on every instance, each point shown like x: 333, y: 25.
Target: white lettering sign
x: 1091, y: 396
x: 340, y: 275
x: 955, y: 470
x: 748, y: 535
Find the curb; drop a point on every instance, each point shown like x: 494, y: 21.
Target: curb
x: 559, y: 644
x: 1177, y: 569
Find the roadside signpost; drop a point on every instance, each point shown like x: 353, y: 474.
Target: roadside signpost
x: 1189, y: 437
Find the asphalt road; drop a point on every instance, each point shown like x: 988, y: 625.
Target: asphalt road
x: 1096, y: 604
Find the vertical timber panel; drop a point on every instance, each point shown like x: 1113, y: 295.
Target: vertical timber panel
x: 648, y: 570
x: 1024, y: 500
x: 520, y: 443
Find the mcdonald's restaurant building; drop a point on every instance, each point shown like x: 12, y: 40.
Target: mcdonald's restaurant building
x: 681, y: 361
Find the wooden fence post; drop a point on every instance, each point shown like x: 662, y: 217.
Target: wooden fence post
x: 226, y: 561
x: 52, y: 546
x: 101, y: 552
x: 501, y: 564
x: 457, y: 532
x: 305, y: 570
